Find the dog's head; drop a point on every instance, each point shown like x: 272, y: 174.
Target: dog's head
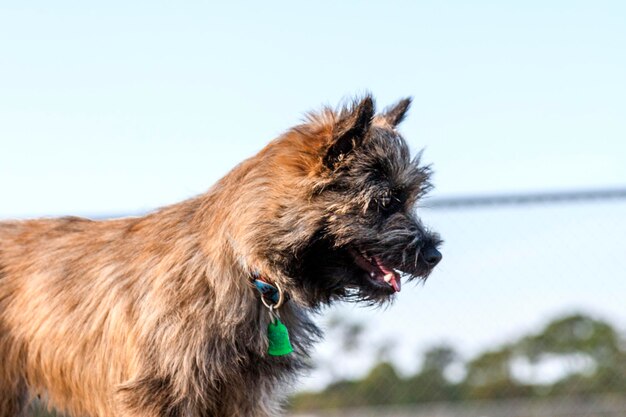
x: 347, y: 214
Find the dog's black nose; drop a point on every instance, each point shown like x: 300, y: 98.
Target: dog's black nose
x: 431, y: 256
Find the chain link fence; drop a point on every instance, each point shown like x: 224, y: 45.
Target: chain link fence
x: 559, y: 407
x: 524, y: 318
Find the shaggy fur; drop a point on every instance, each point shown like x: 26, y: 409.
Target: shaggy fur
x: 156, y: 316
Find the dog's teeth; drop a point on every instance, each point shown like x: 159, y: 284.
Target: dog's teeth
x: 388, y: 278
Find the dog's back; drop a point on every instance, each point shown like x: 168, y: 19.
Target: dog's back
x: 55, y: 315
x: 109, y: 318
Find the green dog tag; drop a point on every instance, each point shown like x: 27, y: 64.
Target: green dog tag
x: 278, y: 337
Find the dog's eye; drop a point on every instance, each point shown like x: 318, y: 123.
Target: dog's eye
x: 389, y: 202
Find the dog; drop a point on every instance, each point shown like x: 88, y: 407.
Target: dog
x: 194, y: 310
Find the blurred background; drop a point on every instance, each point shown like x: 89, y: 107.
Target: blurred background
x: 116, y: 108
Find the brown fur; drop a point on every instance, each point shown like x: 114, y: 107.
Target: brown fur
x: 155, y: 316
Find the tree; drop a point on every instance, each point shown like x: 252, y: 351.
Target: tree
x: 489, y: 376
x: 578, y: 336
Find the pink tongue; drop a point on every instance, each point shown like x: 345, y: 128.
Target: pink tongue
x: 391, y: 276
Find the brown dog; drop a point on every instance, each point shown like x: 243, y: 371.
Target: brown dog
x: 158, y: 316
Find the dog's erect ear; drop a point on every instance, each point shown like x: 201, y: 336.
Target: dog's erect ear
x: 396, y: 113
x: 349, y: 131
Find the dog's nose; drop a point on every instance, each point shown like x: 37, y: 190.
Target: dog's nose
x: 431, y: 256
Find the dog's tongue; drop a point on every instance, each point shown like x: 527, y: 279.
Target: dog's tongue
x: 391, y: 276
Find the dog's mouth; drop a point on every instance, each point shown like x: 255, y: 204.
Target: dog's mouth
x: 377, y: 272
x: 328, y: 271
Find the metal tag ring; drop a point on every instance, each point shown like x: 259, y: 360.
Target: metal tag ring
x: 281, y: 299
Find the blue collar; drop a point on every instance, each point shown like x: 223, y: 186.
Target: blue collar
x: 268, y: 291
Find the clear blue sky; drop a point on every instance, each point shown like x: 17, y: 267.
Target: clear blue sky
x: 120, y: 107
x: 124, y: 106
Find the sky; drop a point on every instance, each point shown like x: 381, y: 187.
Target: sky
x: 119, y: 107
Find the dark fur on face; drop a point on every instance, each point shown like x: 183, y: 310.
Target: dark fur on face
x: 368, y: 190
x: 157, y: 316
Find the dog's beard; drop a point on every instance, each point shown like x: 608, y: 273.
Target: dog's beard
x: 325, y: 272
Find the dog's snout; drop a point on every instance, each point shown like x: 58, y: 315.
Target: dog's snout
x: 431, y: 256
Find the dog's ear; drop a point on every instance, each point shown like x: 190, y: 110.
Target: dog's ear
x: 396, y: 113
x: 349, y: 131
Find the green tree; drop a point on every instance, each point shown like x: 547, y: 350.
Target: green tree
x: 578, y: 336
x: 489, y: 376
x: 430, y: 383
x: 380, y: 386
